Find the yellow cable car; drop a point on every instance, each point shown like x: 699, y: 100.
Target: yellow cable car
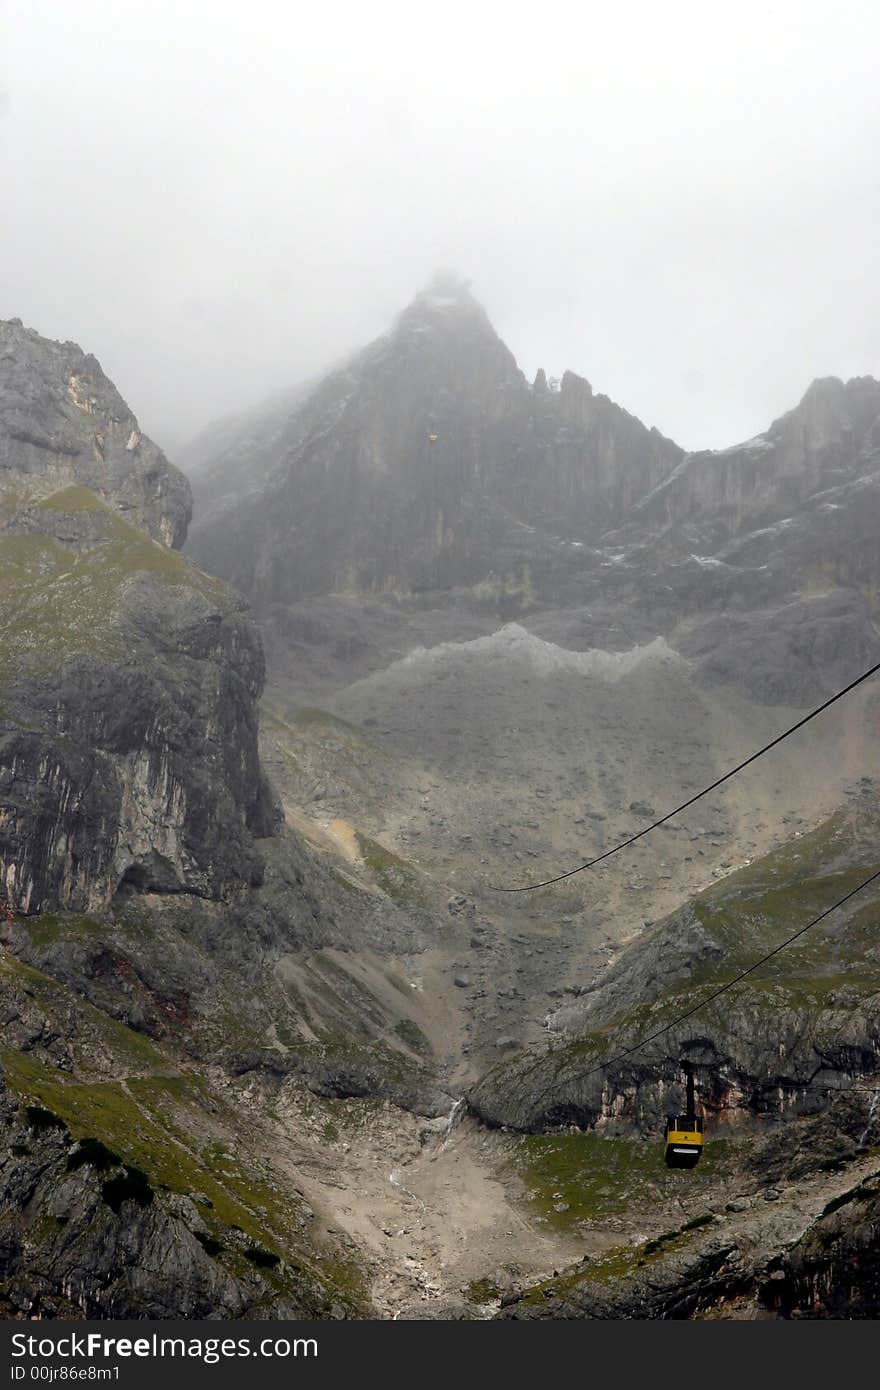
x: 684, y: 1140
x: 432, y: 438
x: 684, y: 1133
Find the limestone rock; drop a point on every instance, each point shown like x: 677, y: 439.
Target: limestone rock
x: 128, y: 679
x: 63, y: 422
x: 428, y: 462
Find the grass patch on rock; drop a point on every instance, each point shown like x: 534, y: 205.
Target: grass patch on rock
x: 62, y: 601
x: 393, y: 875
x: 412, y: 1035
x: 593, y: 1177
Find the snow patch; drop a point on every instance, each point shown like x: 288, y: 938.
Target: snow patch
x: 709, y: 561
x: 769, y: 530
x: 758, y: 444
x: 441, y: 301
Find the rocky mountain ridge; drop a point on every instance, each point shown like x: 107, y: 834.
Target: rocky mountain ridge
x: 830, y: 436
x: 428, y: 471
x: 205, y: 977
x: 428, y: 462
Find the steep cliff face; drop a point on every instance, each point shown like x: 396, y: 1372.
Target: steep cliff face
x: 128, y: 680
x: 832, y: 436
x: 236, y: 455
x: 429, y: 463
x: 833, y: 1271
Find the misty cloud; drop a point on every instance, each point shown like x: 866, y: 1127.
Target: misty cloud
x: 680, y: 203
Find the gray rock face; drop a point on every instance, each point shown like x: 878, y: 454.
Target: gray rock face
x: 429, y: 463
x: 128, y: 681
x: 63, y: 422
x: 236, y: 456
x: 143, y: 772
x: 820, y: 444
x: 834, y: 1269
x: 428, y: 477
x: 82, y: 1234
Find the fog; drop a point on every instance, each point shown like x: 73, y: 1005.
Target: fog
x: 679, y: 202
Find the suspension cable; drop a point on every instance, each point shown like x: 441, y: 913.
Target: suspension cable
x: 722, y: 989
x: 545, y: 883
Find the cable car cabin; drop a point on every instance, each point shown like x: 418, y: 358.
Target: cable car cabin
x: 432, y: 438
x: 684, y: 1140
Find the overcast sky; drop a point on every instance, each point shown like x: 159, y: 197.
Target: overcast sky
x: 679, y: 201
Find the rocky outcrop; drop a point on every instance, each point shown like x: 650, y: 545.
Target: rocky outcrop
x: 834, y: 1269
x: 831, y: 1272
x: 87, y: 1233
x: 84, y: 1235
x: 62, y: 421
x: 128, y: 680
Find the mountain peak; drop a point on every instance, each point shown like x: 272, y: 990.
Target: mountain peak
x: 831, y: 404
x: 429, y: 464
x: 446, y: 300
x: 448, y: 287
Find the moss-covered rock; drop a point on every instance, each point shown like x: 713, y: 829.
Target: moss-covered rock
x: 128, y: 679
